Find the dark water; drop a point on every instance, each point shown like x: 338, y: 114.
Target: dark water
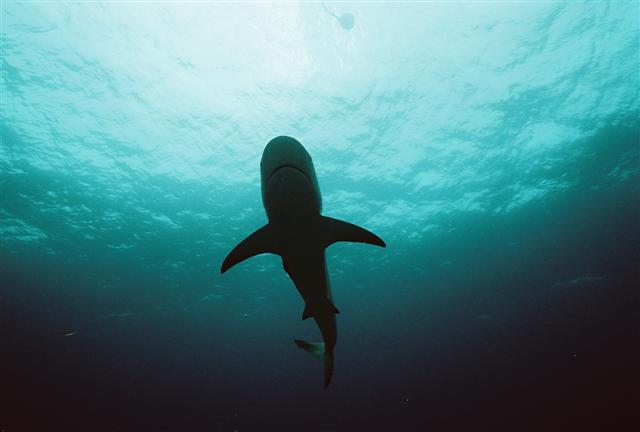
x: 495, y: 148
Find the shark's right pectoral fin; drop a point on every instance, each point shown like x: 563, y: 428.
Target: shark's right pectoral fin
x: 335, y: 230
x: 261, y: 241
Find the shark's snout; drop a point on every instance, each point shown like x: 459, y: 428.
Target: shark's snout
x: 285, y: 151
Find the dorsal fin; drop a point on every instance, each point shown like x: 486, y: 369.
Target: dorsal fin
x: 261, y: 241
x: 335, y: 230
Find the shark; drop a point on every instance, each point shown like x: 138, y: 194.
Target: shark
x: 299, y: 233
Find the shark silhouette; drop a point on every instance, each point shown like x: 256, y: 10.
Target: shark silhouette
x: 299, y: 233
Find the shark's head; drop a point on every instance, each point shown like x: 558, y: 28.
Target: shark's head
x: 284, y: 156
x: 284, y: 151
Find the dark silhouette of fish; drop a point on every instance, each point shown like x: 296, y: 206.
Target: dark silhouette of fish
x: 299, y: 233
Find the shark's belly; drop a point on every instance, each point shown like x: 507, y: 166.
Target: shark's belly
x: 289, y: 196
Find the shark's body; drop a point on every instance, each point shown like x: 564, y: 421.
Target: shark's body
x: 300, y: 234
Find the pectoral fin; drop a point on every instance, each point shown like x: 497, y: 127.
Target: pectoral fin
x: 335, y: 230
x: 261, y: 241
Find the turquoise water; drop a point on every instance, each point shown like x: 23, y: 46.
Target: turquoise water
x: 495, y: 147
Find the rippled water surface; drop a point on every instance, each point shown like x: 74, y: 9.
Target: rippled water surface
x: 495, y: 147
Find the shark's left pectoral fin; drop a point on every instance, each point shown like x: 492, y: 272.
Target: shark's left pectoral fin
x: 335, y: 230
x: 261, y: 241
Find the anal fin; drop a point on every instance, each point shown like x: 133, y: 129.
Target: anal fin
x: 307, y: 312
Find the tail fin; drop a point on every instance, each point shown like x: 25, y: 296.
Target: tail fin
x: 318, y: 351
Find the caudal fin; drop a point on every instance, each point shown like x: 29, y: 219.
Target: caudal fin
x: 318, y: 351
